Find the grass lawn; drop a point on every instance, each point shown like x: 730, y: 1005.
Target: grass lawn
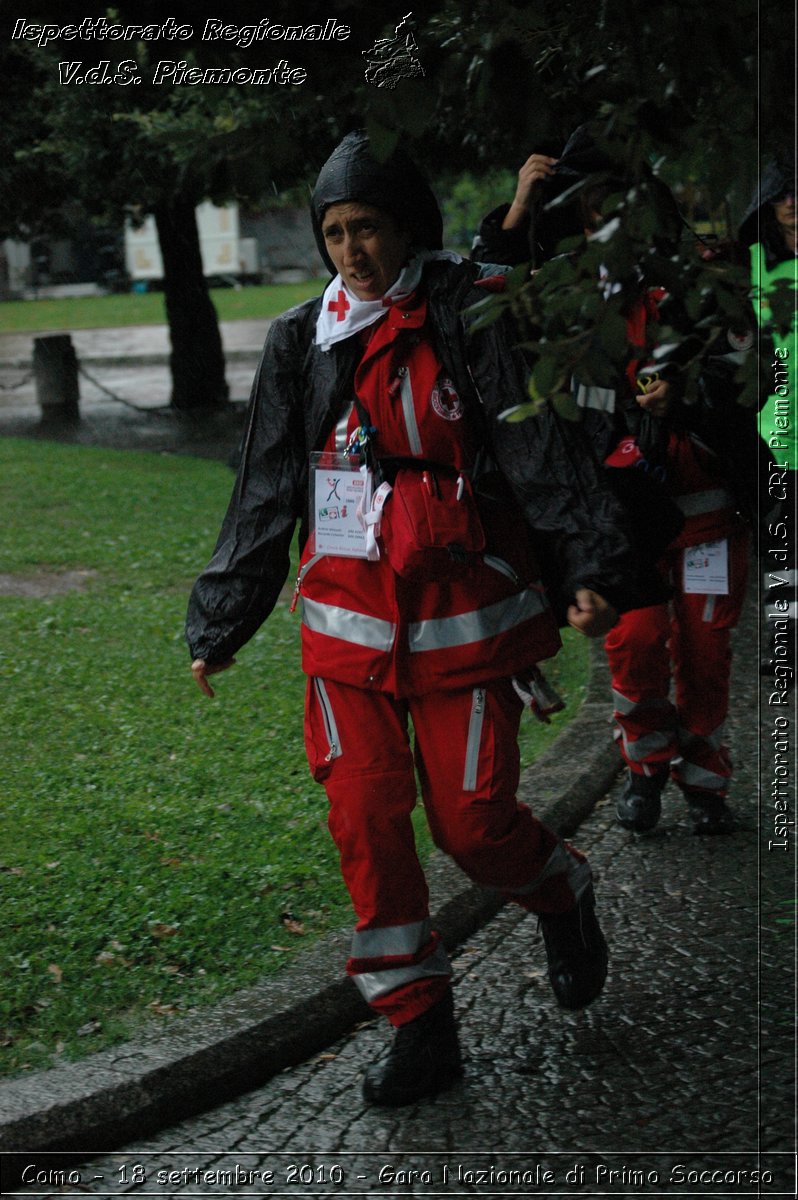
x: 130, y: 308
x: 157, y: 850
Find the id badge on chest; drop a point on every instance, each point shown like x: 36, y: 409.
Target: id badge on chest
x: 706, y: 568
x: 341, y: 488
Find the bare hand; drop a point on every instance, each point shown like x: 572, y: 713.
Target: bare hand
x: 656, y: 398
x: 591, y: 614
x: 531, y: 177
x: 200, y: 669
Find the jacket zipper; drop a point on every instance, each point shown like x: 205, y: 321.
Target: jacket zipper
x: 300, y: 579
x: 409, y: 411
x: 474, y: 741
x: 342, y: 430
x: 501, y: 565
x: 328, y: 717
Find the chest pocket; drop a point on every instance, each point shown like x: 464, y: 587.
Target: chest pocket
x: 414, y: 406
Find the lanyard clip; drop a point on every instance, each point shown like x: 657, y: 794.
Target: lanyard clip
x: 359, y: 439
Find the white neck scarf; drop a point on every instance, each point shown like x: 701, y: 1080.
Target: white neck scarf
x: 342, y: 314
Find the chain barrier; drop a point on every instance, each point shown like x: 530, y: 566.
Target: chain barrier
x: 119, y: 399
x: 11, y: 387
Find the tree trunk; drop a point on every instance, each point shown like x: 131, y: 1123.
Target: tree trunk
x: 197, y: 358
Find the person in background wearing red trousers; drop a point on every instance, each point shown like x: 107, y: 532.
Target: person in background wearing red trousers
x: 683, y: 645
x: 699, y: 453
x: 686, y: 640
x: 379, y: 376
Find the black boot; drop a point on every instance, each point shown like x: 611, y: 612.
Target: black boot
x: 577, y: 952
x: 423, y: 1060
x: 640, y: 804
x: 709, y: 814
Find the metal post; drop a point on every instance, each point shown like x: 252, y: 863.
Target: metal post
x: 55, y: 367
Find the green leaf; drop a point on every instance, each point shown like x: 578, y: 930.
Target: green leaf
x: 565, y: 406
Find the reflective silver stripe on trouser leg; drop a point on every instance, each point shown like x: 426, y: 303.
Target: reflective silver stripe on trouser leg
x: 560, y: 862
x: 626, y: 707
x: 639, y: 749
x: 692, y: 776
x: 643, y: 747
x: 396, y: 941
x: 688, y: 740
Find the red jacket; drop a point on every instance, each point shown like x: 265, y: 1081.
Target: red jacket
x: 363, y: 624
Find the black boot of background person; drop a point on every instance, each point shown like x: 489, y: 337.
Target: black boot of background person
x: 577, y: 952
x: 709, y: 814
x: 640, y: 804
x: 423, y: 1060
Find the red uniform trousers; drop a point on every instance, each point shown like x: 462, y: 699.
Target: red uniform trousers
x: 689, y: 638
x: 466, y: 754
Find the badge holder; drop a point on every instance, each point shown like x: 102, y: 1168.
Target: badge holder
x: 341, y: 493
x: 706, y: 568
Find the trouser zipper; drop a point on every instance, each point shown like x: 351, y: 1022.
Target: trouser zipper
x: 328, y: 717
x: 474, y: 741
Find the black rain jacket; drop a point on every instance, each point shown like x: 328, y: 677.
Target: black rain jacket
x: 299, y: 394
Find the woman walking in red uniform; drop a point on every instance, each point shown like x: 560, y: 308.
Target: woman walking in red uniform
x: 376, y: 421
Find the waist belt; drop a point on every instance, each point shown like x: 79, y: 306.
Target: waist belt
x: 696, y: 503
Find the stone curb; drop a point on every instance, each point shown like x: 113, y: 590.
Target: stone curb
x: 129, y: 1091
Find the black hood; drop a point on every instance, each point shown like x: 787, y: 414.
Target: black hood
x: 351, y: 173
x: 583, y: 160
x: 777, y: 178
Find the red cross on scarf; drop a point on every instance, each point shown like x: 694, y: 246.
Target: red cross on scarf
x: 340, y: 306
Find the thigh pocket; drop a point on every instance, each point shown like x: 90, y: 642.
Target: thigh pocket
x: 322, y: 738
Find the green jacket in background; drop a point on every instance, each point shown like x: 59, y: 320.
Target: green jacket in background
x: 778, y: 417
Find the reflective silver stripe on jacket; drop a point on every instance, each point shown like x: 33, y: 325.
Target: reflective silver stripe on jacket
x: 443, y: 633
x: 474, y: 740
x: 409, y: 411
x: 391, y: 940
x: 349, y: 626
x: 560, y: 862
x: 372, y: 985
x: 696, y: 503
x: 590, y: 396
